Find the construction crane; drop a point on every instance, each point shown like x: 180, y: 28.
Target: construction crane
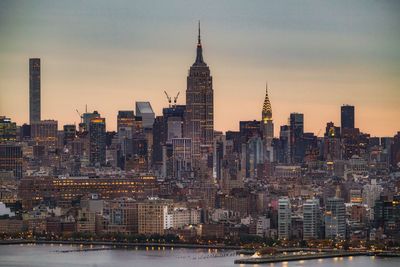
x: 168, y: 97
x: 80, y: 115
x: 176, y: 98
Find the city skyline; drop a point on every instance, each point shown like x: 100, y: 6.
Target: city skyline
x: 258, y: 132
x: 298, y: 80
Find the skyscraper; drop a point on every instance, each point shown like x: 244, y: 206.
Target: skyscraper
x: 284, y: 146
x: 97, y: 132
x: 8, y: 130
x: 45, y: 133
x: 296, y: 136
x: 125, y: 121
x: 69, y: 133
x: 199, y: 103
x: 335, y: 217
x: 144, y: 110
x: 182, y: 157
x: 297, y: 125
x: 395, y: 152
x: 34, y: 90
x: 347, y: 117
x: 166, y: 127
x: 311, y: 219
x: 267, y: 123
x: 249, y: 129
x: 86, y: 118
x: 11, y: 159
x: 284, y: 218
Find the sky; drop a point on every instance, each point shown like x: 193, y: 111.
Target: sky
x: 316, y: 56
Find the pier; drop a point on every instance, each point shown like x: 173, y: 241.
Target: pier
x: 283, y: 258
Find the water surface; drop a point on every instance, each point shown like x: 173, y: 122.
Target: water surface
x: 44, y: 255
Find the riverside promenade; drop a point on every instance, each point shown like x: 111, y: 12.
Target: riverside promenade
x: 118, y: 244
x: 283, y: 258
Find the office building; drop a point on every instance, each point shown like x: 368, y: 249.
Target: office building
x: 395, y: 152
x: 199, y: 104
x: 296, y: 121
x: 284, y: 218
x: 97, y: 136
x: 8, y: 130
x: 121, y: 216
x: 159, y: 137
x: 11, y: 159
x: 182, y: 157
x: 153, y: 216
x: 249, y: 129
x: 332, y: 146
x: 33, y: 190
x: 25, y: 132
x: 169, y: 125
x: 311, y: 219
x: 45, y: 133
x: 125, y: 120
x: 347, y: 117
x: 86, y: 118
x: 145, y: 111
x: 335, y: 217
x: 69, y: 132
x: 387, y: 215
x: 266, y: 122
x: 284, y: 147
x: 34, y: 90
x: 126, y: 130
x: 254, y: 153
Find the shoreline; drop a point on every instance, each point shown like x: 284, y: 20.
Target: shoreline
x: 119, y: 244
x: 274, y: 259
x: 340, y: 254
x: 238, y: 249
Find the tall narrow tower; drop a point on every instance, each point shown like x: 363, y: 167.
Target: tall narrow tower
x: 347, y: 117
x: 267, y: 123
x: 34, y: 90
x: 199, y: 104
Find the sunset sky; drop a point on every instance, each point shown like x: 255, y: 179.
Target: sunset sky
x: 315, y: 55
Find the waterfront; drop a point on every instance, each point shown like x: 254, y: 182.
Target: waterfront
x: 44, y: 255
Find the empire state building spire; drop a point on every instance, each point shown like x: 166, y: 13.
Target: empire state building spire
x: 199, y: 114
x: 199, y: 54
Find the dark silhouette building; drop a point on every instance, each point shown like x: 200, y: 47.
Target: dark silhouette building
x: 11, y: 159
x: 97, y: 134
x: 347, y: 117
x: 296, y: 135
x: 8, y: 130
x: 34, y: 90
x: 249, y: 129
x: 395, y: 151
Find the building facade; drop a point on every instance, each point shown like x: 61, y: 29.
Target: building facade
x: 284, y: 218
x: 97, y: 132
x: 199, y: 104
x: 311, y: 219
x: 267, y: 123
x: 335, y: 218
x: 347, y: 117
x: 34, y: 90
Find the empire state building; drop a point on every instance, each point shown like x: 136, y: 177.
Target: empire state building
x: 200, y: 104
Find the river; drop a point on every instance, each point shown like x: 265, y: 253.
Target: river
x: 45, y: 255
